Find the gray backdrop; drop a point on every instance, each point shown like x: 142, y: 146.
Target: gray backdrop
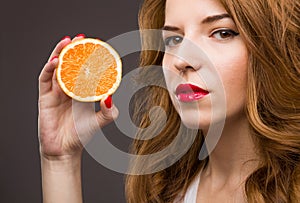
x: 29, y: 31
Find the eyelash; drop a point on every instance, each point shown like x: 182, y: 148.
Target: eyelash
x: 179, y: 39
x: 228, y: 31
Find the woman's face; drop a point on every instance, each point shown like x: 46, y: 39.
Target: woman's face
x: 205, y: 64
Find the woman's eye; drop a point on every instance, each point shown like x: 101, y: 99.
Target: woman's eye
x: 173, y: 41
x: 224, y: 34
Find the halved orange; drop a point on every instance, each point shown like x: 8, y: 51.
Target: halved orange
x: 89, y: 70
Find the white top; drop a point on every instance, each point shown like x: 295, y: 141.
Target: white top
x: 191, y: 193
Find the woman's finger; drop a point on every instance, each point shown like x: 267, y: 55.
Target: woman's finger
x: 46, y: 75
x: 108, y: 112
x: 77, y: 37
x: 66, y: 40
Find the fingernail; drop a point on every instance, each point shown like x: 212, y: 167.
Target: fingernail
x: 54, y: 57
x: 65, y: 37
x: 81, y: 35
x: 108, y: 102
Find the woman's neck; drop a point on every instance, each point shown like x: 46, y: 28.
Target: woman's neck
x: 234, y: 156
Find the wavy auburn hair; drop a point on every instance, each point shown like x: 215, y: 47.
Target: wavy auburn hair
x: 270, y: 29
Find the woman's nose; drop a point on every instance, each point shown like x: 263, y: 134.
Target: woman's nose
x: 181, y: 64
x: 187, y: 57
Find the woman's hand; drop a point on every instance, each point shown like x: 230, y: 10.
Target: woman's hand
x: 64, y: 124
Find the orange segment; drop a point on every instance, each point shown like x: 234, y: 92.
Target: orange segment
x: 89, y: 70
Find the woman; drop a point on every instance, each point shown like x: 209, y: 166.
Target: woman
x: 254, y: 46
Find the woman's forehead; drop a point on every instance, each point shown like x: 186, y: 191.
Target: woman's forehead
x: 179, y: 10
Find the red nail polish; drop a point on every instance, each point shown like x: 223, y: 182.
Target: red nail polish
x: 81, y: 35
x: 108, y: 102
x: 54, y: 57
x: 65, y: 37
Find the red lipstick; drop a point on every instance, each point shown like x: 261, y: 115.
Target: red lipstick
x: 190, y: 93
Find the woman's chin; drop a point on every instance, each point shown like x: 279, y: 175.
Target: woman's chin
x: 191, y: 124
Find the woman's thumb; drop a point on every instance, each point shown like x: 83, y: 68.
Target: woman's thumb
x: 108, y: 112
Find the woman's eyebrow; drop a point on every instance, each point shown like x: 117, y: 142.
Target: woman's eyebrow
x: 207, y: 20
x: 214, y: 18
x: 170, y: 28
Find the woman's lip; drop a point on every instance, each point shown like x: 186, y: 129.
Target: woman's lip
x: 190, y: 93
